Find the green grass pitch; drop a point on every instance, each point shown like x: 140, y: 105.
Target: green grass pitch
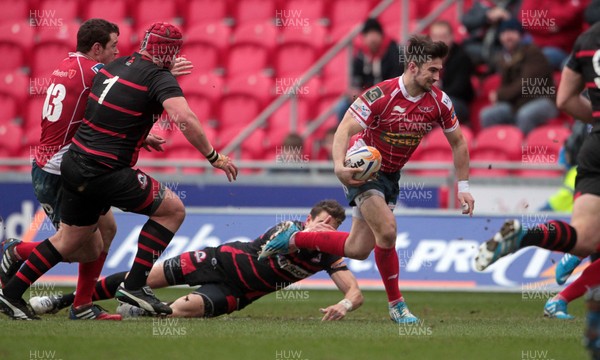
x: 455, y: 326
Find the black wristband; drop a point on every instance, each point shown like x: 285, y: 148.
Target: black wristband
x: 213, y: 156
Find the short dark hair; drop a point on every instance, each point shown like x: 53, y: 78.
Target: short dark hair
x: 372, y: 24
x: 421, y: 49
x: 94, y: 31
x: 332, y: 207
x: 293, y: 140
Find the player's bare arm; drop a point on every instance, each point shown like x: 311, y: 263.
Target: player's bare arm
x: 460, y: 153
x: 353, y: 297
x: 347, y: 128
x: 179, y: 110
x: 569, y: 98
x: 153, y: 142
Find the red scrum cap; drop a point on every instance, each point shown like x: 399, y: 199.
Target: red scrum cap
x: 163, y: 42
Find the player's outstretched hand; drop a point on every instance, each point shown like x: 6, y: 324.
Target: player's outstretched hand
x: 345, y: 174
x: 153, y: 142
x: 182, y: 66
x: 226, y: 164
x: 333, y: 312
x: 320, y: 225
x: 467, y: 202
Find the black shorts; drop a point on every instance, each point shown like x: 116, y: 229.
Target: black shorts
x: 386, y: 183
x: 201, y: 268
x: 86, y: 196
x: 588, y: 170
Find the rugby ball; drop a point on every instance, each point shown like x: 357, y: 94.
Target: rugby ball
x: 367, y: 158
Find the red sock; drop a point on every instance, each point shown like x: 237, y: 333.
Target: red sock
x: 86, y: 283
x: 590, y: 277
x: 24, y: 249
x: 330, y: 242
x: 389, y: 269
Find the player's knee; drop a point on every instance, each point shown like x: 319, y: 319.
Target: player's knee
x: 108, y: 232
x: 358, y: 254
x: 387, y: 238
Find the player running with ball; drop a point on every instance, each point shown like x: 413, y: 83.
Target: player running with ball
x: 392, y: 116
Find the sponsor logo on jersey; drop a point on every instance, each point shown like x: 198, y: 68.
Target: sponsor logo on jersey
x: 285, y: 264
x: 446, y: 101
x: 426, y: 109
x: 70, y: 74
x: 373, y: 94
x: 401, y: 140
x: 97, y: 67
x: 143, y: 180
x: 361, y: 109
x: 399, y: 109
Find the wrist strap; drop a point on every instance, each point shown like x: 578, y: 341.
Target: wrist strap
x: 213, y: 156
x: 346, y: 303
x: 463, y: 186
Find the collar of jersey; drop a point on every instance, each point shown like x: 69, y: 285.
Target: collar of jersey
x: 405, y: 93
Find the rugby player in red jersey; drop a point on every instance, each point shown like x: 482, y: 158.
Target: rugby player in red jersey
x: 392, y: 116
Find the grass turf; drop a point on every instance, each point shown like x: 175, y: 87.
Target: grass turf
x: 454, y: 326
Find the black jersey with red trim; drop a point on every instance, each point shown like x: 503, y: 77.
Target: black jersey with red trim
x: 240, y: 265
x: 585, y: 60
x: 125, y: 100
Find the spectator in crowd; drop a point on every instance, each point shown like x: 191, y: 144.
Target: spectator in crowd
x: 291, y: 153
x: 377, y: 59
x: 482, y: 21
x: 526, y: 93
x: 553, y: 25
x: 327, y: 145
x: 456, y: 73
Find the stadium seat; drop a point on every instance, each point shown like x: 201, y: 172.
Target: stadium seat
x: 280, y: 121
x: 11, y: 138
x: 248, y: 11
x: 338, y: 66
x: 206, y: 46
x: 52, y: 13
x: 199, y: 11
x: 117, y: 13
x: 494, y: 144
x: 253, y: 147
x: 14, y: 11
x: 542, y: 146
x: 257, y: 86
x: 15, y: 84
x: 146, y: 12
x: 301, y: 12
x: 237, y: 110
x: 207, y: 85
x: 9, y: 106
x: 314, y: 35
x: 263, y: 33
x: 33, y: 116
x: 245, y: 59
x: 54, y: 44
x: 202, y: 106
x: 294, y: 59
x: 346, y: 14
x: 16, y: 41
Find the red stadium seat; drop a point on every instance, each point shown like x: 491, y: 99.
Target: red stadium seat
x: 338, y: 66
x: 237, y: 110
x: 206, y: 46
x: 33, y: 117
x: 199, y: 11
x: 301, y: 12
x: 263, y: 33
x: 253, y: 147
x: 346, y: 14
x: 254, y: 11
x: 314, y: 35
x: 14, y: 11
x: 207, y: 85
x: 9, y: 106
x: 257, y: 86
x: 15, y: 84
x: 496, y: 143
x: 146, y: 12
x: 293, y: 59
x: 52, y: 13
x: 54, y: 44
x: 281, y: 119
x: 16, y: 41
x: 11, y: 138
x: 111, y: 10
x: 542, y: 146
x: 247, y: 59
x: 202, y: 106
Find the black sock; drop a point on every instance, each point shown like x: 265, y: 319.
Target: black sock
x: 107, y: 287
x: 554, y: 235
x: 41, y: 259
x: 153, y: 240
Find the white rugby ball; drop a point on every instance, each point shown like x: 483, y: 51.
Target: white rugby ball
x: 367, y: 158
